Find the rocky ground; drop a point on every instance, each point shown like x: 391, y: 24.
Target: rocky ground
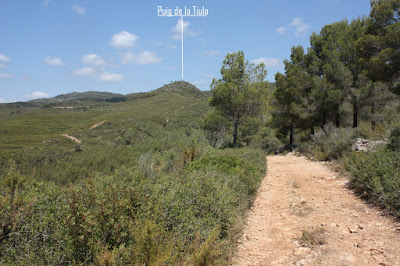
x: 304, y: 214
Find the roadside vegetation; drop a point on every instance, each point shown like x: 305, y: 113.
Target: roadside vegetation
x: 143, y: 188
x: 376, y: 174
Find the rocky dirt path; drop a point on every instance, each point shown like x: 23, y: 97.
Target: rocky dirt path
x: 97, y: 125
x: 77, y: 141
x: 305, y: 215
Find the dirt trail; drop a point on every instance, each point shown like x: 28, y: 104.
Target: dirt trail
x: 72, y: 138
x: 97, y: 125
x: 303, y: 198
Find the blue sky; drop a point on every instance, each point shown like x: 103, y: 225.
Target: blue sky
x: 52, y: 47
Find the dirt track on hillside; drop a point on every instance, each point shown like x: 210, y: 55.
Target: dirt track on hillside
x: 77, y: 141
x: 97, y: 124
x: 304, y: 214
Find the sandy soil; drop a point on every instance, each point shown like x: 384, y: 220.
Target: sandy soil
x: 304, y: 214
x: 96, y: 125
x: 72, y: 138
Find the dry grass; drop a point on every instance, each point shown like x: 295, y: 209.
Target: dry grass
x: 313, y: 237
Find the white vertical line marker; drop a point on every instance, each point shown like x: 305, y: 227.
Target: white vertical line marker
x: 182, y: 46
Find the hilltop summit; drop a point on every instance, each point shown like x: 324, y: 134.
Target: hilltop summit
x: 180, y: 87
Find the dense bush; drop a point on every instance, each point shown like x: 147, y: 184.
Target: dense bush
x: 330, y: 142
x: 394, y: 140
x: 376, y: 176
x: 266, y: 139
x: 175, y: 206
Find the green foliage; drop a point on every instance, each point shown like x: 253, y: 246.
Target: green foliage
x: 347, y: 77
x: 381, y: 43
x: 207, y: 253
x: 331, y: 143
x: 146, y: 189
x: 134, y: 216
x: 291, y: 89
x: 248, y: 129
x: 216, y: 127
x: 394, y: 139
x: 376, y: 176
x: 241, y: 91
x: 13, y: 202
x: 33, y: 225
x: 266, y: 140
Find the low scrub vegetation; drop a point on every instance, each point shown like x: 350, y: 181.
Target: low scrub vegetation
x: 155, y: 213
x: 313, y: 237
x: 145, y: 188
x: 376, y: 174
x: 330, y: 143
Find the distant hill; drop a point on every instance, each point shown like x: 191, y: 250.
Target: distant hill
x: 33, y: 123
x: 84, y: 96
x: 182, y: 88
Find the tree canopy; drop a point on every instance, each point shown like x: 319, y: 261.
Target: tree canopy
x: 241, y: 90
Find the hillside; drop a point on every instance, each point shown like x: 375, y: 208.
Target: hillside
x: 120, y: 183
x: 83, y: 96
x: 95, y: 97
x: 35, y: 123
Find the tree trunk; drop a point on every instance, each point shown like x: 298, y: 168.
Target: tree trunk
x: 291, y: 139
x: 312, y: 130
x: 337, y: 120
x: 235, y: 132
x: 355, y: 116
x: 373, y: 122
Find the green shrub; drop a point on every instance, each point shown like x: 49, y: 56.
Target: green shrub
x: 146, y: 189
x: 331, y: 142
x: 32, y: 219
x: 376, y: 176
x: 146, y: 214
x: 266, y: 140
x: 394, y: 139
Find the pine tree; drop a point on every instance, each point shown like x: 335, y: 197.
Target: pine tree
x: 240, y: 92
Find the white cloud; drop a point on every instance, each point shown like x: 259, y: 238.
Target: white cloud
x: 124, y: 40
x: 2, y: 100
x: 177, y: 30
x: 268, y: 62
x: 79, y: 10
x: 210, y: 53
x: 300, y: 26
x: 5, y: 75
x: 37, y: 95
x: 107, y: 76
x: 93, y: 60
x: 86, y: 71
x: 2, y: 66
x: 143, y: 58
x: 53, y: 61
x: 4, y: 58
x: 281, y: 30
